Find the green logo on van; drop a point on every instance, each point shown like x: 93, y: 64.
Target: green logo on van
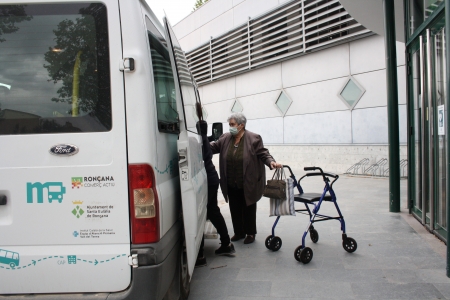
x: 55, y: 191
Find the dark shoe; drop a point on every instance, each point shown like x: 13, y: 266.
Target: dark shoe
x: 249, y: 239
x: 227, y: 250
x: 237, y: 237
x: 200, y: 262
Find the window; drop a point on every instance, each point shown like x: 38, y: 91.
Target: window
x: 283, y: 102
x: 237, y: 107
x: 351, y: 93
x: 54, y: 74
x: 164, y: 86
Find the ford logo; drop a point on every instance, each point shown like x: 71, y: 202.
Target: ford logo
x: 64, y: 149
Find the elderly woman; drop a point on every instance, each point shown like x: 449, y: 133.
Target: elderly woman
x: 242, y: 174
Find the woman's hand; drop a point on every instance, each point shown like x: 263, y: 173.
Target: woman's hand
x: 275, y: 165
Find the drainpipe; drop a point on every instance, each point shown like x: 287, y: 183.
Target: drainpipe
x: 447, y: 103
x: 392, y: 106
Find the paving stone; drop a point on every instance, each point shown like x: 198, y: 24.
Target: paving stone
x: 396, y: 291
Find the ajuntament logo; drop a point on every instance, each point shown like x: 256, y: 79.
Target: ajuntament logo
x: 55, y: 191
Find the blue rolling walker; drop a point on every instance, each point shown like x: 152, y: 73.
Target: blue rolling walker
x: 305, y: 254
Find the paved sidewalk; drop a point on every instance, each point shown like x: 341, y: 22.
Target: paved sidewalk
x: 396, y: 258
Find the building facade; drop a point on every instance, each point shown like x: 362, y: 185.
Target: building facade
x: 309, y: 78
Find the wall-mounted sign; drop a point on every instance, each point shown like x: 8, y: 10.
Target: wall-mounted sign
x: 441, y: 120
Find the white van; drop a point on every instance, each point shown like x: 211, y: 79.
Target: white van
x: 100, y: 161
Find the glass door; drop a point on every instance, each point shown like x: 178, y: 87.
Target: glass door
x: 440, y: 94
x: 427, y: 81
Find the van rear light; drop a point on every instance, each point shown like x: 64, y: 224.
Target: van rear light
x: 143, y: 204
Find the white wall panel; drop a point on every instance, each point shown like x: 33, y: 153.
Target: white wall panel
x: 217, y: 26
x: 271, y: 129
x: 190, y: 41
x: 185, y: 26
x: 402, y: 123
x: 375, y: 85
x: 322, y: 65
x: 260, y: 105
x: 400, y: 53
x: 370, y: 125
x: 251, y: 8
x: 219, y: 90
x: 316, y: 97
x: 211, y: 10
x: 236, y: 2
x: 367, y: 54
x: 323, y: 128
x: 401, y: 79
x: 259, y: 81
x: 219, y: 111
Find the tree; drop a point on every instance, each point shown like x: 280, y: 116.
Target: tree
x: 9, y: 16
x: 74, y: 60
x: 199, y: 3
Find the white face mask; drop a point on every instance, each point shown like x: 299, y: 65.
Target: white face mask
x: 234, y: 130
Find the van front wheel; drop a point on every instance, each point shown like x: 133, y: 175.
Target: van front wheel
x: 185, y: 285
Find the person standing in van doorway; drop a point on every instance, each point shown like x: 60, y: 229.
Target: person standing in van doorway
x: 242, y: 174
x: 212, y: 209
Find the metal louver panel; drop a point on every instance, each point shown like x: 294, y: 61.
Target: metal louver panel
x: 294, y: 28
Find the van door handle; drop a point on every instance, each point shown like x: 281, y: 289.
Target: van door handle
x: 2, y: 199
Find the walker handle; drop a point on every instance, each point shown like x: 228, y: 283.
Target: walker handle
x: 313, y: 169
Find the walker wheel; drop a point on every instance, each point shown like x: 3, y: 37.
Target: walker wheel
x: 349, y: 245
x: 275, y: 243
x: 314, y: 235
x: 268, y: 239
x: 304, y: 255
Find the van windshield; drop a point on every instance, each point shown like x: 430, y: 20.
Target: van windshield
x: 54, y: 69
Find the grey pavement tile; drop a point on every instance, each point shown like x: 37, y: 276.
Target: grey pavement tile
x: 396, y: 291
x: 444, y: 289
x: 347, y: 275
x: 399, y: 262
x: 290, y: 262
x: 433, y: 261
x: 253, y: 288
x: 433, y: 276
x: 273, y: 274
x: 223, y: 274
x: 402, y: 276
x: 317, y: 290
x: 206, y: 288
x: 202, y: 272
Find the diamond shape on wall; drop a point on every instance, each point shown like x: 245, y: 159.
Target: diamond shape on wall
x: 351, y: 92
x: 237, y: 106
x: 283, y: 102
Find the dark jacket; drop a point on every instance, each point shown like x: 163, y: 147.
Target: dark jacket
x: 255, y: 156
x: 213, y: 177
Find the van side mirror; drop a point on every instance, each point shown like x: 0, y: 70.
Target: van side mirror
x: 217, y: 131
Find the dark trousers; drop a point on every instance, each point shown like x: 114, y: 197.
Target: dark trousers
x: 215, y: 216
x: 242, y: 216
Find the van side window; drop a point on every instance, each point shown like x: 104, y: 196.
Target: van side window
x: 164, y: 86
x: 55, y: 74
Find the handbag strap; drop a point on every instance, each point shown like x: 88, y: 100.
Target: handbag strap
x: 278, y: 174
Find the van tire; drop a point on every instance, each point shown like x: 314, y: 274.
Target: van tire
x: 185, y: 284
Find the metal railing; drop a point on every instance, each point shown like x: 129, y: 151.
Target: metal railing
x: 377, y: 169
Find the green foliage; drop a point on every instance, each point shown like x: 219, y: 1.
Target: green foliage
x: 199, y: 3
x: 72, y: 37
x: 9, y: 16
